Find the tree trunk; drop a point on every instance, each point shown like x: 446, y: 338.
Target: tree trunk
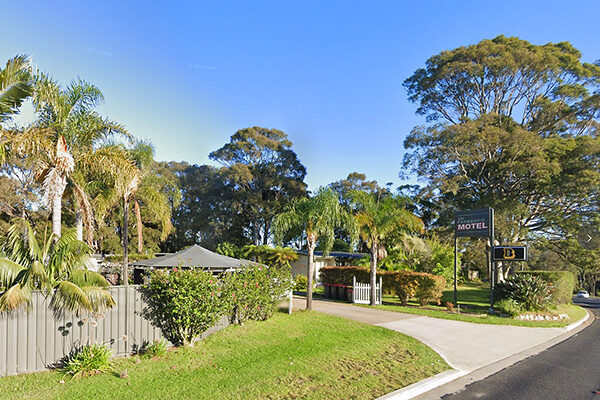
x: 374, y: 253
x: 255, y: 233
x: 139, y: 226
x: 79, y: 224
x: 125, y: 241
x: 309, y: 274
x: 56, y: 216
x: 266, y: 230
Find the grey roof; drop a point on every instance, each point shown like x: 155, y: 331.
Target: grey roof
x: 194, y: 256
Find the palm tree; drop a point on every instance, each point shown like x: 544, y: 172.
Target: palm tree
x: 282, y: 256
x: 317, y: 218
x: 15, y: 85
x: 58, y: 265
x: 76, y: 132
x: 144, y: 187
x: 378, y: 218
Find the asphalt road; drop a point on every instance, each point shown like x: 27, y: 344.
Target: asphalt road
x: 568, y: 370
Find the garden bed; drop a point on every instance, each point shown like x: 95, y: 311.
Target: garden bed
x: 474, y: 299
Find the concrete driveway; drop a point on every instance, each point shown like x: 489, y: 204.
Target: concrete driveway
x: 465, y: 346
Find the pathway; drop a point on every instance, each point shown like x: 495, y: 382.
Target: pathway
x: 466, y: 346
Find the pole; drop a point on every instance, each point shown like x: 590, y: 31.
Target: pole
x: 455, y: 268
x: 492, y: 262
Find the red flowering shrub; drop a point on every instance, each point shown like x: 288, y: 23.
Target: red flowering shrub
x: 253, y: 292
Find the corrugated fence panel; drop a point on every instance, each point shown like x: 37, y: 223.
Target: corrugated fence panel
x: 37, y: 339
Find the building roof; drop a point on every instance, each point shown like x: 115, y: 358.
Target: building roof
x: 334, y: 254
x: 194, y: 256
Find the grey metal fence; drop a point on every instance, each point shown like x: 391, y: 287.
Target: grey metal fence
x: 35, y: 340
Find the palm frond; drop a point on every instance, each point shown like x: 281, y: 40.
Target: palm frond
x: 68, y: 254
x: 37, y: 276
x: 100, y: 298
x: 83, y: 278
x: 15, y: 85
x: 16, y: 297
x: 68, y: 297
x: 9, y: 270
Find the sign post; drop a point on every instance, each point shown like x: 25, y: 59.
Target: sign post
x: 473, y: 223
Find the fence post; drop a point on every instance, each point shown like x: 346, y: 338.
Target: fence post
x: 354, y: 289
x: 380, y: 290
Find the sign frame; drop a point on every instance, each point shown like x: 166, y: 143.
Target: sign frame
x: 483, y: 221
x: 510, y: 253
x: 474, y: 223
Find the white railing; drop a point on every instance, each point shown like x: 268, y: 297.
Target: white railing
x: 361, y: 292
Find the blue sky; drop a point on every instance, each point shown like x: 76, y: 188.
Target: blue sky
x: 187, y: 75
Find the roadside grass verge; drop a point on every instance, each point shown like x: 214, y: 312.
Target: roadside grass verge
x: 473, y: 299
x: 307, y: 355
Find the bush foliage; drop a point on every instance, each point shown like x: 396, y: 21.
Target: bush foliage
x: 562, y: 283
x: 530, y: 292
x: 88, y: 360
x: 509, y: 307
x: 300, y: 283
x: 253, y: 292
x: 426, y: 288
x: 184, y: 303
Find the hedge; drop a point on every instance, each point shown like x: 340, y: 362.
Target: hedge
x: 562, y: 282
x: 185, y: 303
x: 424, y: 287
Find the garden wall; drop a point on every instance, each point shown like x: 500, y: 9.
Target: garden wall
x: 35, y: 340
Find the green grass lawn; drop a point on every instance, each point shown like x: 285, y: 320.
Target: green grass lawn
x: 306, y: 355
x: 474, y: 301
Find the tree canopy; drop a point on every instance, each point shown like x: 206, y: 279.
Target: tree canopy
x: 264, y: 173
x: 512, y: 126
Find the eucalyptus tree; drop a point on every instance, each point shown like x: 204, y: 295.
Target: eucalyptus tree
x: 68, y: 136
x: 263, y: 174
x: 57, y: 266
x: 316, y: 218
x: 379, y: 217
x: 514, y: 126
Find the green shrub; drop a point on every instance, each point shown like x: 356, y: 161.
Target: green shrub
x: 509, y: 307
x: 300, y: 283
x: 562, y: 282
x: 253, y: 292
x: 430, y: 288
x: 229, y: 249
x: 184, y: 303
x: 440, y: 261
x: 88, y: 360
x: 406, y: 285
x: 158, y: 348
x: 530, y: 292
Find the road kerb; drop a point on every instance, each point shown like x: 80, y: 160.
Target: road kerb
x: 424, y: 386
x: 576, y: 324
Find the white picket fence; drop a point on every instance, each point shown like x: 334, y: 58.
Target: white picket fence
x: 361, y: 293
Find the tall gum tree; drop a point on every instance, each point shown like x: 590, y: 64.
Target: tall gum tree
x: 265, y: 174
x: 512, y: 125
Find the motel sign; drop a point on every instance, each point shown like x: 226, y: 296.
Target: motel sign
x: 473, y: 223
